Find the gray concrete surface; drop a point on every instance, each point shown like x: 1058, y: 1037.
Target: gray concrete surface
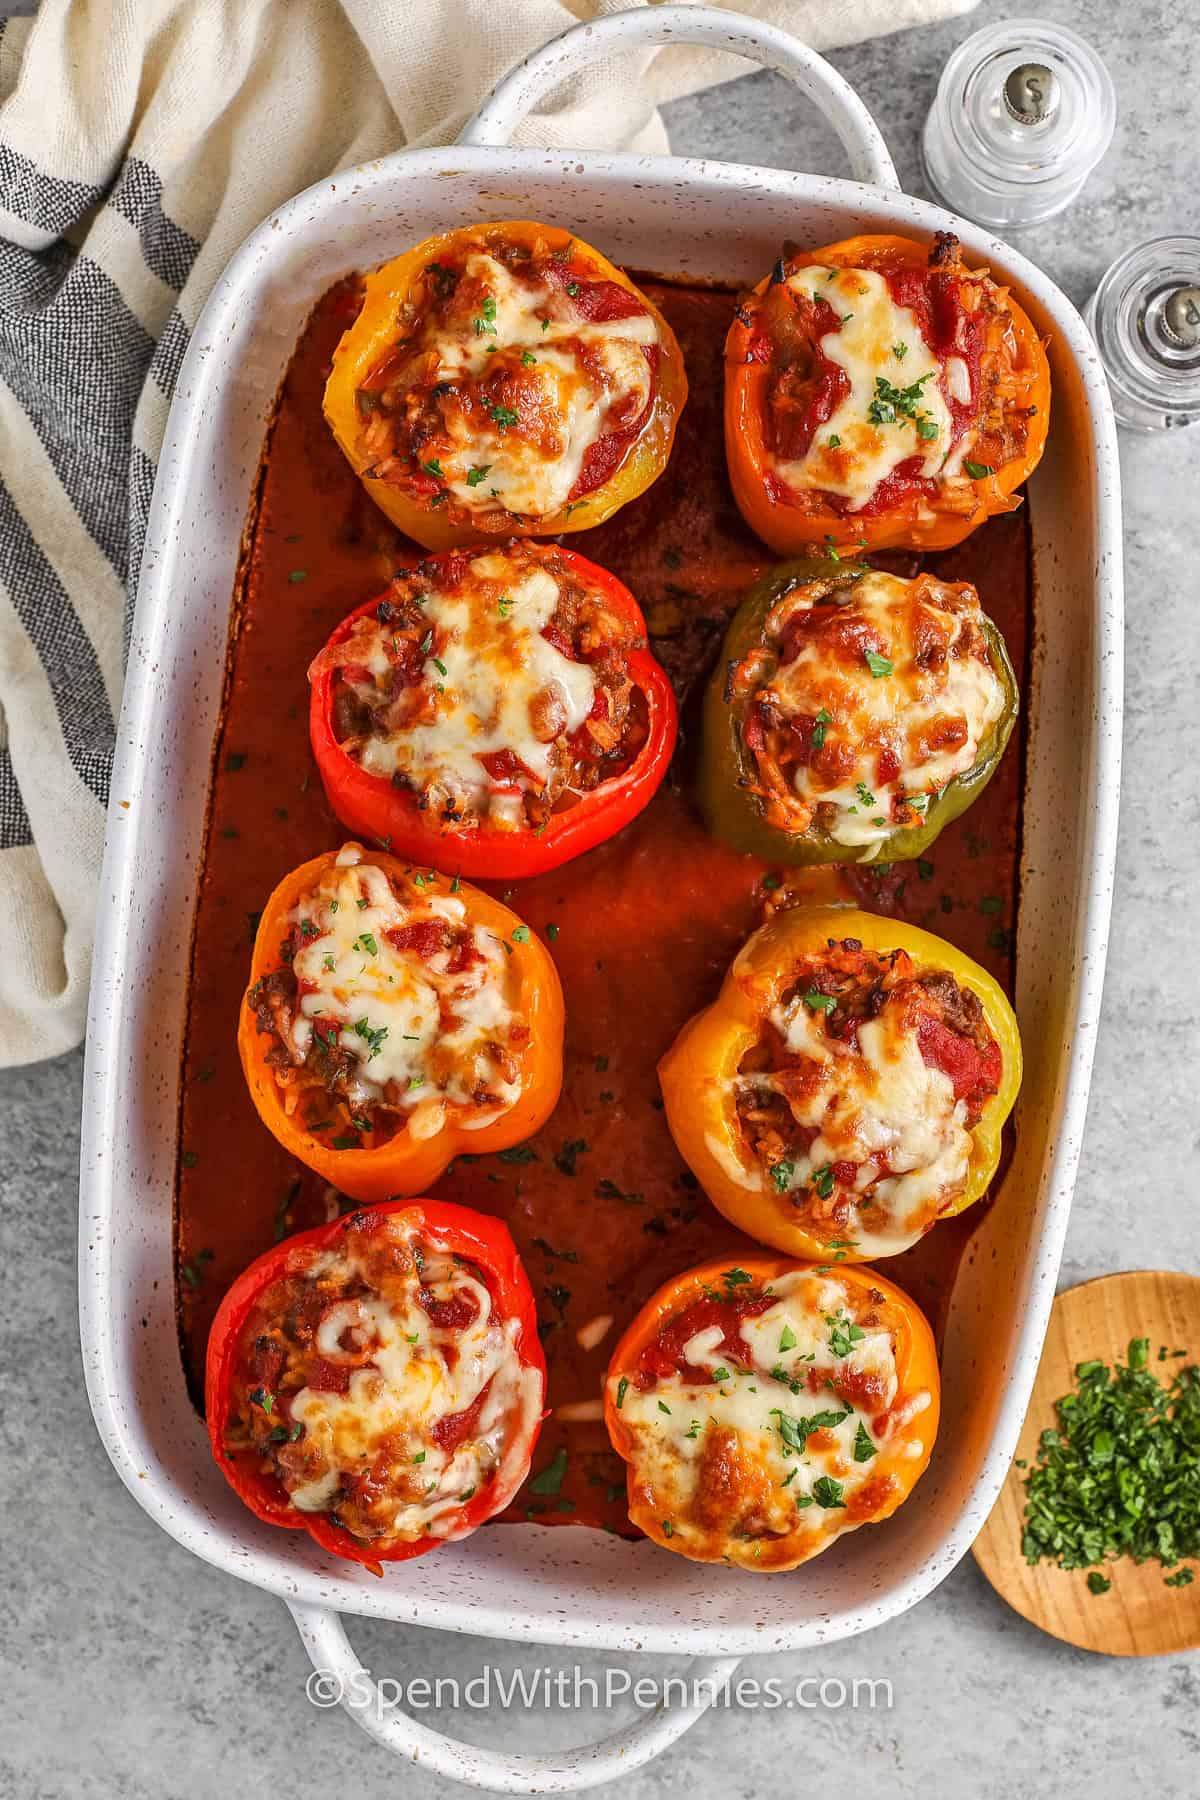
x: 131, y: 1669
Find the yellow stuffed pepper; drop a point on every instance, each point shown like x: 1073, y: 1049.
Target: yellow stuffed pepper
x: 504, y: 380
x: 847, y: 1088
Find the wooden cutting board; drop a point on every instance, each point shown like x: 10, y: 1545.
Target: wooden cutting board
x: 1138, y: 1616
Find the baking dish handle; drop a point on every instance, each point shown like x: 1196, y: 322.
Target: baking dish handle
x: 339, y: 1678
x: 519, y: 91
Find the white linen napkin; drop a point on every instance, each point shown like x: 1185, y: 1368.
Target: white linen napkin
x: 140, y: 142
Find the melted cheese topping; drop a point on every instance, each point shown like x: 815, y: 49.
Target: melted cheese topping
x: 767, y: 1395
x: 877, y: 340
x: 417, y: 1376
x: 491, y: 663
x: 583, y: 371
x: 882, y: 1104
x: 909, y: 710
x: 416, y: 1027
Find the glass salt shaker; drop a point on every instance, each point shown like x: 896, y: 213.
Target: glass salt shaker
x: 1024, y: 112
x: 1145, y: 318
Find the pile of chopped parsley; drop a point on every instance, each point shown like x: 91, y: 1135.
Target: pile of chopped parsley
x: 1120, y: 1476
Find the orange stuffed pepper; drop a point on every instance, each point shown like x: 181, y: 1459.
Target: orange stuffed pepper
x: 394, y: 1018
x: 766, y: 1408
x: 880, y: 394
x: 848, y: 1087
x: 504, y: 379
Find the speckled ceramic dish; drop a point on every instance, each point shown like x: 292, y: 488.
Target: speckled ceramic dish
x: 678, y: 216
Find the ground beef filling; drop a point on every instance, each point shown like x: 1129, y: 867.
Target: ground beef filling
x: 383, y: 687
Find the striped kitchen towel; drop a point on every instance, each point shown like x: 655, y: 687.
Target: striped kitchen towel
x: 140, y: 142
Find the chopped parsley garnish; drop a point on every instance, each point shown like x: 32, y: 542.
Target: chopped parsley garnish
x: 827, y: 1492
x: 504, y: 416
x: 367, y: 943
x: 622, y: 1390
x: 693, y: 1430
x: 520, y: 934
x: 721, y: 1373
x: 781, y: 1175
x: 329, y: 962
x: 528, y: 358
x: 787, y: 1339
x: 900, y: 351
x: 263, y: 1398
x: 487, y: 322
x: 1098, y: 1583
x: 822, y: 1003
x: 977, y: 471
x: 892, y: 404
x: 864, y: 1449
x: 433, y: 467
x: 552, y: 932
x: 550, y: 1479
x: 566, y: 1159
x: 345, y: 1143
x: 664, y: 1408
x: 833, y: 441
x: 879, y: 666
x: 547, y: 1249
x: 822, y: 1181
x: 824, y: 719
x: 736, y: 1278
x: 796, y: 1432
x: 573, y: 289
x: 373, y: 1036
x: 843, y: 1335
x: 866, y: 797
x: 476, y: 475
x: 298, y: 575
x: 193, y: 1272
x: 1119, y: 1474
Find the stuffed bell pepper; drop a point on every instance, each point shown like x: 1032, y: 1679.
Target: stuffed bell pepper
x: 379, y: 1382
x: 394, y: 1018
x: 504, y: 378
x: 765, y: 1409
x: 852, y: 714
x: 847, y: 1088
x: 879, y: 392
x: 495, y: 713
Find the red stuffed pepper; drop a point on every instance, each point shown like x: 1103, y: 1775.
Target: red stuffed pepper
x: 379, y: 1382
x: 494, y: 714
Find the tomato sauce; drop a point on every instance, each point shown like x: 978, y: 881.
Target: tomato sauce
x: 601, y: 1205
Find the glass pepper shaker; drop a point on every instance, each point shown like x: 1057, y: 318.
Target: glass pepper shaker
x: 1145, y: 318
x: 1024, y: 112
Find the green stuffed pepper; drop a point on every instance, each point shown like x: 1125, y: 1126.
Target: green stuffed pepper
x: 852, y: 714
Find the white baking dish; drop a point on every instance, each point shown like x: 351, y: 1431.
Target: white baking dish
x: 573, y: 1586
